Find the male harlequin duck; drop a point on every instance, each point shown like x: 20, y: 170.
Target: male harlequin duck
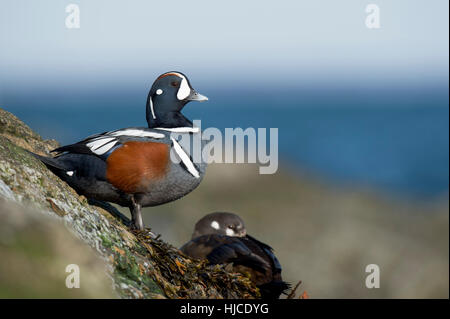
x: 222, y: 239
x: 132, y: 167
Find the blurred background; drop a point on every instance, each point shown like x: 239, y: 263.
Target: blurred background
x: 363, y: 118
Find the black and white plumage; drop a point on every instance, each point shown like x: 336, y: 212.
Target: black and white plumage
x: 133, y: 167
x: 104, y: 143
x: 221, y: 238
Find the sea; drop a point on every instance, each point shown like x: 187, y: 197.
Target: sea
x: 393, y: 140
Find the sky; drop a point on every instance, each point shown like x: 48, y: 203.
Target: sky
x: 241, y: 42
x: 245, y: 55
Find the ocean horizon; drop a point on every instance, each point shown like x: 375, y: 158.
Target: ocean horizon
x: 395, y: 142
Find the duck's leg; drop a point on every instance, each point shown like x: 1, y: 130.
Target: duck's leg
x: 136, y: 216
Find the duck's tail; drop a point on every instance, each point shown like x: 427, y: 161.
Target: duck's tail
x: 52, y: 163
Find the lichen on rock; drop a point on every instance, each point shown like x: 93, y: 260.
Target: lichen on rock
x: 140, y: 265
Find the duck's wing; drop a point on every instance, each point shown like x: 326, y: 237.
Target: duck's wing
x: 220, y: 249
x: 269, y: 252
x: 104, y: 143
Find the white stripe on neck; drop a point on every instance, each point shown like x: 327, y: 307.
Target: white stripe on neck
x: 151, y: 108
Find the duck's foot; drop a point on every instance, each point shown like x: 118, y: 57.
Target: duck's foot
x: 137, y: 222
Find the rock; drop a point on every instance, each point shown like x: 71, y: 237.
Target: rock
x: 139, y: 265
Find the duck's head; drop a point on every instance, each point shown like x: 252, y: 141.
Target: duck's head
x: 220, y: 223
x: 168, y: 95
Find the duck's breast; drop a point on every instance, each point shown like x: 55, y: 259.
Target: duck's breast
x: 183, y: 173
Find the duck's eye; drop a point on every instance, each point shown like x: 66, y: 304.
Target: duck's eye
x: 175, y: 84
x: 232, y: 227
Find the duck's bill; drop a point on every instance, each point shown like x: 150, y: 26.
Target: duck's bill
x: 195, y: 96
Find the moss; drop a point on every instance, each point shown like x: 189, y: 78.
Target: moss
x: 126, y: 266
x: 105, y: 241
x: 153, y: 287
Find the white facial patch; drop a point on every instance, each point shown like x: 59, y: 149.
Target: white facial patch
x: 215, y: 225
x: 70, y: 173
x: 159, y: 91
x: 229, y: 232
x: 184, y: 90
